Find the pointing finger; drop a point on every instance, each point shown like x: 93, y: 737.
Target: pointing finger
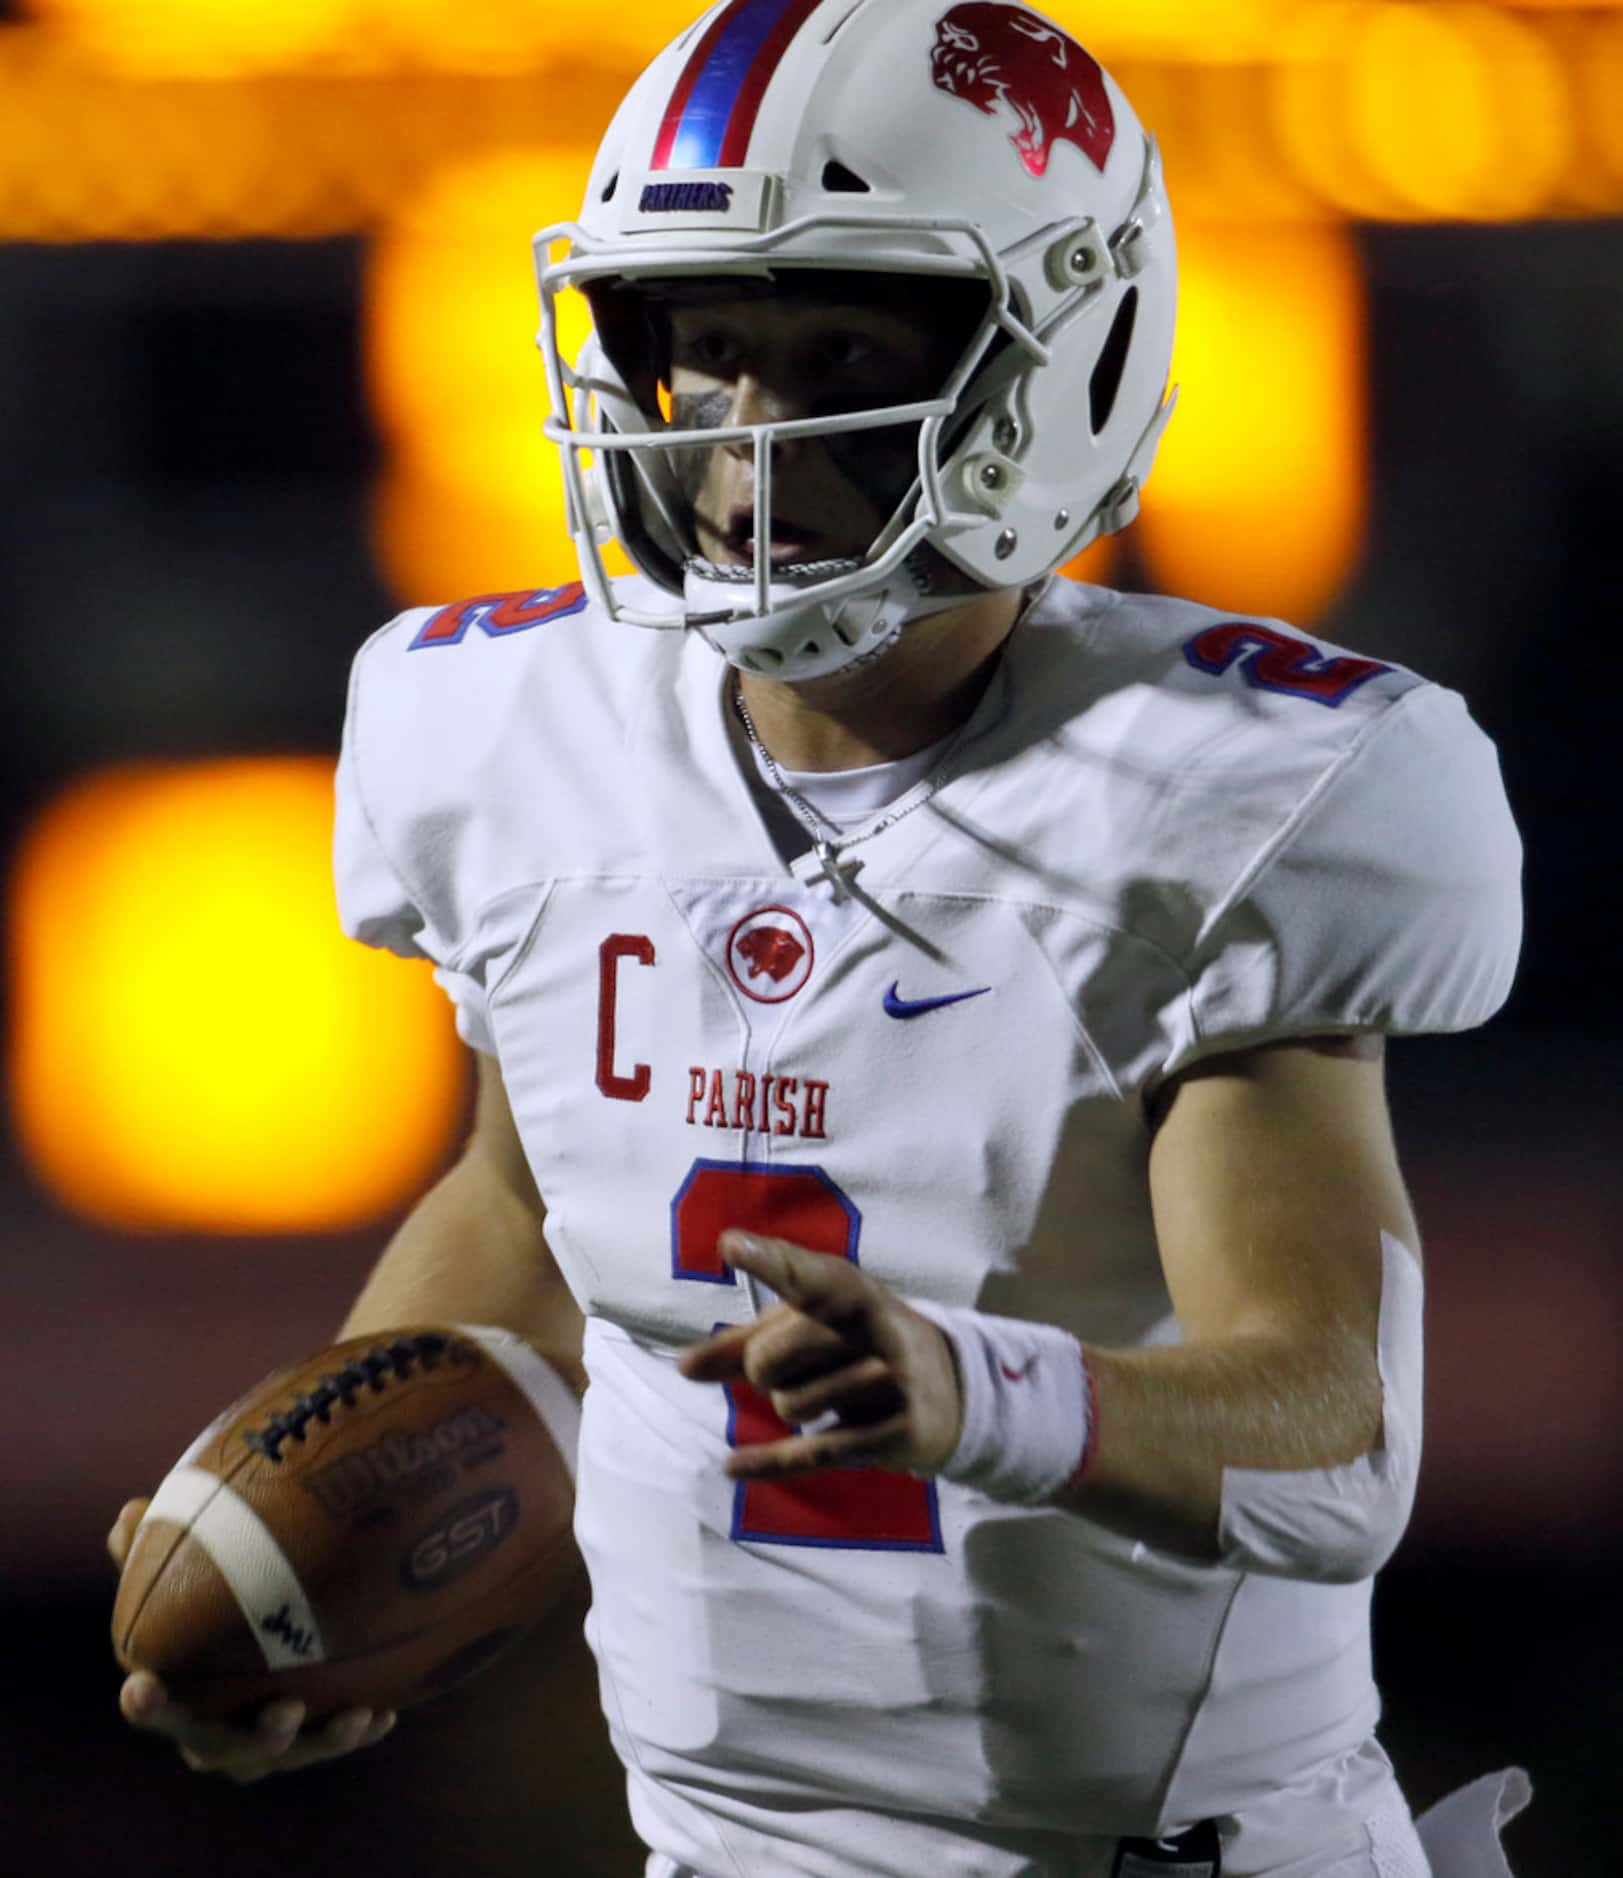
x: 717, y: 1358
x: 812, y: 1282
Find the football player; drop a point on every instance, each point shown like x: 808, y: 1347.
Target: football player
x: 929, y: 1013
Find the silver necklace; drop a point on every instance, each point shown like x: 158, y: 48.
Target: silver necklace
x: 829, y: 841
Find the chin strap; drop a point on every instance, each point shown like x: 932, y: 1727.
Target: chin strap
x: 801, y: 636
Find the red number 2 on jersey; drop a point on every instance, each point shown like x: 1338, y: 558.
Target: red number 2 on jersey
x: 842, y: 1506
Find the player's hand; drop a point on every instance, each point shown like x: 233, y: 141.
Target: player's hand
x: 274, y: 1743
x: 839, y: 1343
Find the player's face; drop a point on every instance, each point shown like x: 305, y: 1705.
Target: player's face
x: 752, y: 361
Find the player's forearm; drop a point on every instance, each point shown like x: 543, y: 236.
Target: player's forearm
x: 471, y: 1251
x: 1171, y: 1420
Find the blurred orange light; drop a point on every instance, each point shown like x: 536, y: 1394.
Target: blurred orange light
x: 1308, y: 86
x: 218, y: 38
x: 221, y: 38
x: 196, y: 1045
x: 1258, y: 500
x: 1096, y: 564
x: 200, y: 37
x: 1191, y: 30
x: 474, y: 497
x: 1602, y: 78
x: 1224, y: 160
x: 151, y: 158
x: 500, y: 35
x: 439, y: 539
x: 1458, y: 110
x: 322, y: 117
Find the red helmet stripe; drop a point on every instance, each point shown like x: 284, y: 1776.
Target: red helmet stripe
x: 711, y: 116
x: 741, y: 126
x: 677, y: 108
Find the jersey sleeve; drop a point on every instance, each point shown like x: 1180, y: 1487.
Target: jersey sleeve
x: 1389, y: 900
x: 376, y: 902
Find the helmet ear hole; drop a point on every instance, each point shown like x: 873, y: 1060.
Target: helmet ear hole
x: 838, y: 180
x: 1107, y: 374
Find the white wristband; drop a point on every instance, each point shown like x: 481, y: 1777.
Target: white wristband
x: 1029, y: 1422
x: 550, y: 1396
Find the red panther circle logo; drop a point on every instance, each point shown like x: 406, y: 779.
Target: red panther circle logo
x: 770, y: 954
x: 989, y: 55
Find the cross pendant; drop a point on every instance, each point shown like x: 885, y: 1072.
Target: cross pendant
x: 838, y: 875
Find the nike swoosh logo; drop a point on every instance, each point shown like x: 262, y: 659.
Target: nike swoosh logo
x: 1019, y: 1375
x: 897, y: 1006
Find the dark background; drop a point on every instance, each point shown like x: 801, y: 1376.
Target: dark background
x: 183, y: 501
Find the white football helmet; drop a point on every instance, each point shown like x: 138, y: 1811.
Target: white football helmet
x: 973, y: 142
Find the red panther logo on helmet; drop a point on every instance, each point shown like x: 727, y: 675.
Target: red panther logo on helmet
x: 988, y: 54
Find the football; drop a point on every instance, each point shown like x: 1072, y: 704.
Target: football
x: 364, y: 1529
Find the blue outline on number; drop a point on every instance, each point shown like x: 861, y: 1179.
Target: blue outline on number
x: 738, y: 1532
x: 477, y: 612
x: 741, y: 1535
x: 1311, y: 661
x: 726, y: 1276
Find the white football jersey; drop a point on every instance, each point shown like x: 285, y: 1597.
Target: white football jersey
x: 1165, y: 833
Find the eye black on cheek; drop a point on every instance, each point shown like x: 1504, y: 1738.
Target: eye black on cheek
x: 708, y: 410
x: 694, y: 411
